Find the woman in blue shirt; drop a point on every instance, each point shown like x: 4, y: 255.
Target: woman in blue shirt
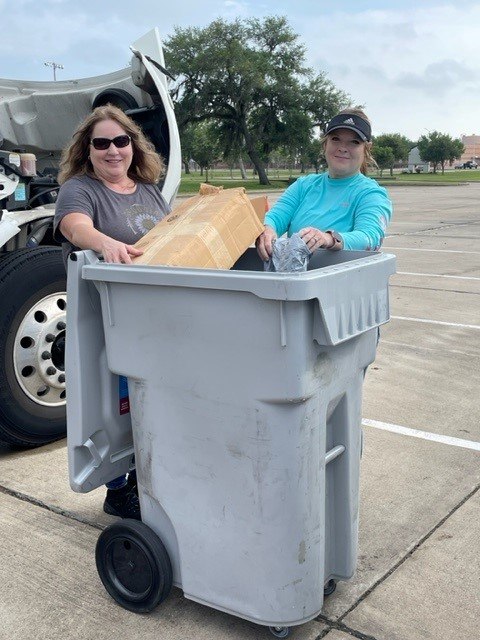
x: 339, y: 209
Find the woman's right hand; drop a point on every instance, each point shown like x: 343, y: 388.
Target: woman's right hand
x: 115, y: 251
x: 265, y: 242
x: 79, y: 230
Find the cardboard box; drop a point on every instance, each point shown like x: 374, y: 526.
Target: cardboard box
x: 210, y: 230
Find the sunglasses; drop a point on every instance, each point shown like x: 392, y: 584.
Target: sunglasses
x: 101, y: 144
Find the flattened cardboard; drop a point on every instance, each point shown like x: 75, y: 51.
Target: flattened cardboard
x: 208, y: 231
x: 261, y: 207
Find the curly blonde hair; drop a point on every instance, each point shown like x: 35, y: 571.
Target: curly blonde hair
x: 368, y: 159
x: 147, y: 166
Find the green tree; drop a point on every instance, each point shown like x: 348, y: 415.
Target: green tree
x: 384, y: 157
x: 400, y: 146
x: 314, y: 154
x: 249, y: 73
x: 231, y: 142
x: 298, y: 134
x: 322, y: 100
x: 186, y: 144
x: 305, y: 106
x: 205, y: 148
x: 439, y: 148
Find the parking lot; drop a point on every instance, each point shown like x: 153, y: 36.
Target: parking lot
x: 418, y: 572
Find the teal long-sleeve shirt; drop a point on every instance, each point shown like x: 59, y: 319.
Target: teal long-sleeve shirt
x: 358, y: 208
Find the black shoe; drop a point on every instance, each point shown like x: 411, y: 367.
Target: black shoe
x: 132, y: 481
x: 122, y: 503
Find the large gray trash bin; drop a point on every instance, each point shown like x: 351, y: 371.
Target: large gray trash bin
x: 245, y: 398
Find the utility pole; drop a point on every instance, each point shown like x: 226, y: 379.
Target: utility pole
x: 54, y: 66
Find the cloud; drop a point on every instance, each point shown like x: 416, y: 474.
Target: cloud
x: 410, y: 66
x: 415, y: 65
x: 79, y: 41
x: 233, y: 9
x: 440, y: 77
x: 73, y: 30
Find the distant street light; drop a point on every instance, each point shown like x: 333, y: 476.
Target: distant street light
x: 54, y: 66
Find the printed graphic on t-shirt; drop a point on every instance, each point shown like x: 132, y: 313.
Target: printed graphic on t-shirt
x: 141, y: 218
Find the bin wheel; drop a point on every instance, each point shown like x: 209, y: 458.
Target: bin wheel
x: 280, y: 632
x: 329, y: 587
x: 133, y: 565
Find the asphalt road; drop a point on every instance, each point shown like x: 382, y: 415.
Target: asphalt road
x: 418, y: 572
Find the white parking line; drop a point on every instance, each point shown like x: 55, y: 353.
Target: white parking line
x: 420, y: 347
x: 424, y: 435
x: 435, y: 275
x: 445, y: 324
x: 476, y: 253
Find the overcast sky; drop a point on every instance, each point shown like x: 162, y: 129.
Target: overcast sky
x: 415, y: 65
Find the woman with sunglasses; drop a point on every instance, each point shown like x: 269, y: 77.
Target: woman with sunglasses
x: 109, y: 196
x: 341, y: 208
x: 108, y: 200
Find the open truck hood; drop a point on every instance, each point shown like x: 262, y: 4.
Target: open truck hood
x: 40, y: 117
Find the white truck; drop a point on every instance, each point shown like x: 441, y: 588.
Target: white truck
x: 37, y: 120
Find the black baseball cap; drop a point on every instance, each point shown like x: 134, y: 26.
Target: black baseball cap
x: 353, y: 122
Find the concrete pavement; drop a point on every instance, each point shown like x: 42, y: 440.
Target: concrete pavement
x: 418, y: 572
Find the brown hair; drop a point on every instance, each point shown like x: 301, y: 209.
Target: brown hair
x: 147, y: 166
x: 368, y: 159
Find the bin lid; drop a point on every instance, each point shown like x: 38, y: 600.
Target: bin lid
x: 351, y: 296
x: 274, y: 286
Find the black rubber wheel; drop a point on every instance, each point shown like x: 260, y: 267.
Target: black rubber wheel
x: 329, y: 587
x: 133, y: 565
x: 32, y: 338
x: 116, y: 97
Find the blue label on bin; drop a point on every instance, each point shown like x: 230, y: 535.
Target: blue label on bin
x: 124, y: 401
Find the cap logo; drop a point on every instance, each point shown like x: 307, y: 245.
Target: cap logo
x: 349, y: 121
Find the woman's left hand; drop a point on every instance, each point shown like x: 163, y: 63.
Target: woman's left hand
x: 315, y: 239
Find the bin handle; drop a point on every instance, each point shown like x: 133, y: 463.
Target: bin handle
x: 94, y: 452
x: 334, y: 453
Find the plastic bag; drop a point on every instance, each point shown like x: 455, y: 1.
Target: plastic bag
x: 289, y: 254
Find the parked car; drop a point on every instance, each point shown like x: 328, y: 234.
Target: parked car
x: 470, y: 164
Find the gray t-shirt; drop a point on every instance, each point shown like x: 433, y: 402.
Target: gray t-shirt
x: 124, y: 216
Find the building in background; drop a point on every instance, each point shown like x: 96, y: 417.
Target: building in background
x: 416, y: 163
x: 472, y: 148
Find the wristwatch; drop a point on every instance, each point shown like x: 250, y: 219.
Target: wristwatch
x: 337, y: 240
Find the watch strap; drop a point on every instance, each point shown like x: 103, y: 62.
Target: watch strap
x: 337, y: 240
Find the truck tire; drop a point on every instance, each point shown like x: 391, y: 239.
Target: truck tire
x: 32, y: 347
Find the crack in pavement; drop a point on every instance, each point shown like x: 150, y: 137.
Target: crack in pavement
x: 57, y: 510
x: 398, y: 564
x: 441, y: 227
x: 339, y: 626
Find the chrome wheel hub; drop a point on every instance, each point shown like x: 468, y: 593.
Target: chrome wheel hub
x: 39, y: 351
